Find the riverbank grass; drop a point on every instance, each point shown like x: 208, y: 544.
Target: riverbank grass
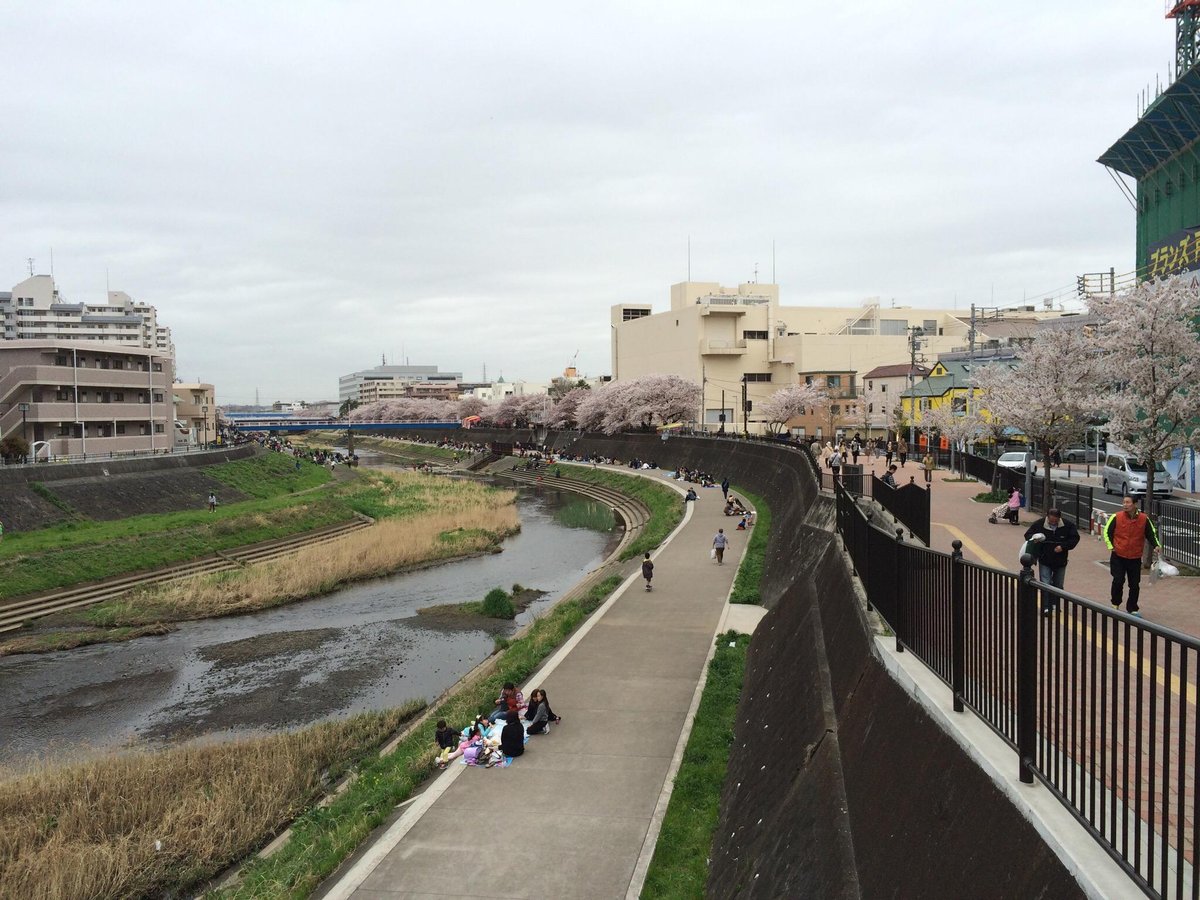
x: 438, y: 519
x: 747, y: 585
x: 679, y: 868
x: 321, y: 839
x: 154, y: 823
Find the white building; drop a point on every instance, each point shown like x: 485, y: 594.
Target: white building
x: 500, y: 389
x: 34, y: 310
x: 384, y: 382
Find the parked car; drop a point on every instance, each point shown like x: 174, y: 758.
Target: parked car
x: 1127, y: 475
x: 1014, y: 461
x: 1081, y: 454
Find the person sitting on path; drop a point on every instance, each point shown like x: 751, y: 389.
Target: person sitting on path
x: 1125, y: 535
x: 468, y: 746
x: 508, y: 703
x: 512, y: 738
x: 690, y: 495
x: 720, y: 541
x: 741, y: 526
x: 539, y: 715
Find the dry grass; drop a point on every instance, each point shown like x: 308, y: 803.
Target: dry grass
x: 469, y: 519
x: 89, y: 829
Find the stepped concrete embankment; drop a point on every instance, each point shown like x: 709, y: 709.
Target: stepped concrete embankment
x: 840, y: 784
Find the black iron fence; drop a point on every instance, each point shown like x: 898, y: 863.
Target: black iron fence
x: 1099, y: 706
x: 907, y: 502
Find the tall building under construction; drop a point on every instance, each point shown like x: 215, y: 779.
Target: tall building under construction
x: 1161, y: 153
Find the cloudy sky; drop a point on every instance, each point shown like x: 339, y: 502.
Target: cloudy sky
x: 302, y: 187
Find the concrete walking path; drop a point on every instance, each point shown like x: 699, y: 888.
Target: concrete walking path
x: 578, y: 814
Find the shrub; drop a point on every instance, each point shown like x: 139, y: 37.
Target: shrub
x: 498, y: 605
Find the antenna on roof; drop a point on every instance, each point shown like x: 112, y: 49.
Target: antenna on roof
x: 51, y: 262
x: 689, y: 257
x: 773, y: 281
x: 29, y: 262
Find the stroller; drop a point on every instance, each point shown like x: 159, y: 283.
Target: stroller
x: 1003, y: 512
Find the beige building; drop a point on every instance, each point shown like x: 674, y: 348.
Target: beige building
x: 34, y: 310
x: 721, y: 337
x: 195, y: 412
x: 84, y: 397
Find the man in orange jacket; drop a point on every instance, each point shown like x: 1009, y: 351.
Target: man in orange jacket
x: 1125, y: 534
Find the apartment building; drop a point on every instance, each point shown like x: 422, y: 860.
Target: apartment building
x: 195, y: 412
x: 386, y: 382
x: 881, y: 388
x: 86, y: 397
x: 721, y: 337
x: 34, y: 310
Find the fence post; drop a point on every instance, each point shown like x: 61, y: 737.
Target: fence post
x: 958, y: 626
x: 1027, y: 617
x: 901, y: 593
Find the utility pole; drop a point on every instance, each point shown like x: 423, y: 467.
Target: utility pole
x: 745, y: 408
x: 914, y: 344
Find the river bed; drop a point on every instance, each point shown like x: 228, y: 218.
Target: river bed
x: 360, y: 648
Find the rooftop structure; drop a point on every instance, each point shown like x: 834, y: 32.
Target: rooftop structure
x: 34, y: 310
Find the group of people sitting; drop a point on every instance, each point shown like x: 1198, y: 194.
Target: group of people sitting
x: 734, y: 507
x: 694, y: 476
x: 500, y: 737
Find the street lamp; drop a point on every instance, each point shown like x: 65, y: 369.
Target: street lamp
x: 24, y: 407
x: 204, y: 411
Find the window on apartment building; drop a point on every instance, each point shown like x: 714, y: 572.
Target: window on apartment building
x: 105, y: 363
x: 118, y: 396
x: 757, y: 376
x: 754, y: 335
x: 798, y: 432
x: 143, y: 397
x: 118, y: 363
x: 156, y: 367
x: 833, y: 381
x: 930, y: 326
x: 83, y: 396
x: 62, y: 394
x: 65, y: 429
x: 893, y: 327
x: 630, y: 314
x: 104, y: 396
x: 158, y: 429
x: 883, y: 389
x: 924, y: 403
x: 60, y: 360
x: 870, y: 407
x: 158, y: 398
x: 120, y: 428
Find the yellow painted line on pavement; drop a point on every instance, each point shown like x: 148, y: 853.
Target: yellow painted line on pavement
x: 1107, y: 644
x: 983, y: 555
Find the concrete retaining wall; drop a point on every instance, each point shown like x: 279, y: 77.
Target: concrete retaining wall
x: 44, y: 472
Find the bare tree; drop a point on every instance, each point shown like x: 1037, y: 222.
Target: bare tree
x: 1151, y: 392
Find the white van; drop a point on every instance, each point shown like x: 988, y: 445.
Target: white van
x: 1126, y: 475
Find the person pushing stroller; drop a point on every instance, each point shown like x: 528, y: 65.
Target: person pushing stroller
x: 1010, y: 509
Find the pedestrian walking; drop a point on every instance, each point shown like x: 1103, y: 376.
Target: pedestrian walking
x: 902, y: 451
x: 1125, y: 535
x: 927, y: 464
x: 720, y: 541
x: 647, y: 570
x: 889, y: 452
x: 212, y: 502
x: 725, y: 486
x: 835, y: 465
x: 889, y: 477
x: 855, y: 449
x: 1060, y: 537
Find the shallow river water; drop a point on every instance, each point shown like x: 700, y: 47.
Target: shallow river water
x: 360, y: 648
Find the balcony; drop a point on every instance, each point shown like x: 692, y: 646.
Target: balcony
x: 721, y: 307
x: 722, y: 348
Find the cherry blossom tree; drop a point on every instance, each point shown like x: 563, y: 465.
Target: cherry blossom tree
x: 470, y: 406
x: 1049, y: 393
x: 1151, y: 393
x: 791, y: 401
x: 563, y: 415
x: 637, y: 403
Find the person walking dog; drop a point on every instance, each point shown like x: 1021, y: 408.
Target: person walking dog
x: 1059, y: 537
x: 720, y: 542
x: 1125, y: 535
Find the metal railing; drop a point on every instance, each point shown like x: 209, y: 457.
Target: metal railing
x: 1099, y: 706
x: 908, y: 503
x: 63, y: 458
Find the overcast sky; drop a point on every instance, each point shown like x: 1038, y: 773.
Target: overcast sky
x: 302, y: 187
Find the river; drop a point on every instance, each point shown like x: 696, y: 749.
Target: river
x: 359, y: 648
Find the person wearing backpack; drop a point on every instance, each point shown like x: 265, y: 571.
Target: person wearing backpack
x: 835, y: 464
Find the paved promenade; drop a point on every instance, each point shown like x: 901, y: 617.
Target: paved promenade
x: 954, y: 515
x: 577, y: 815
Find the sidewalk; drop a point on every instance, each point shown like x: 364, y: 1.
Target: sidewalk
x: 577, y: 815
x: 1174, y: 602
